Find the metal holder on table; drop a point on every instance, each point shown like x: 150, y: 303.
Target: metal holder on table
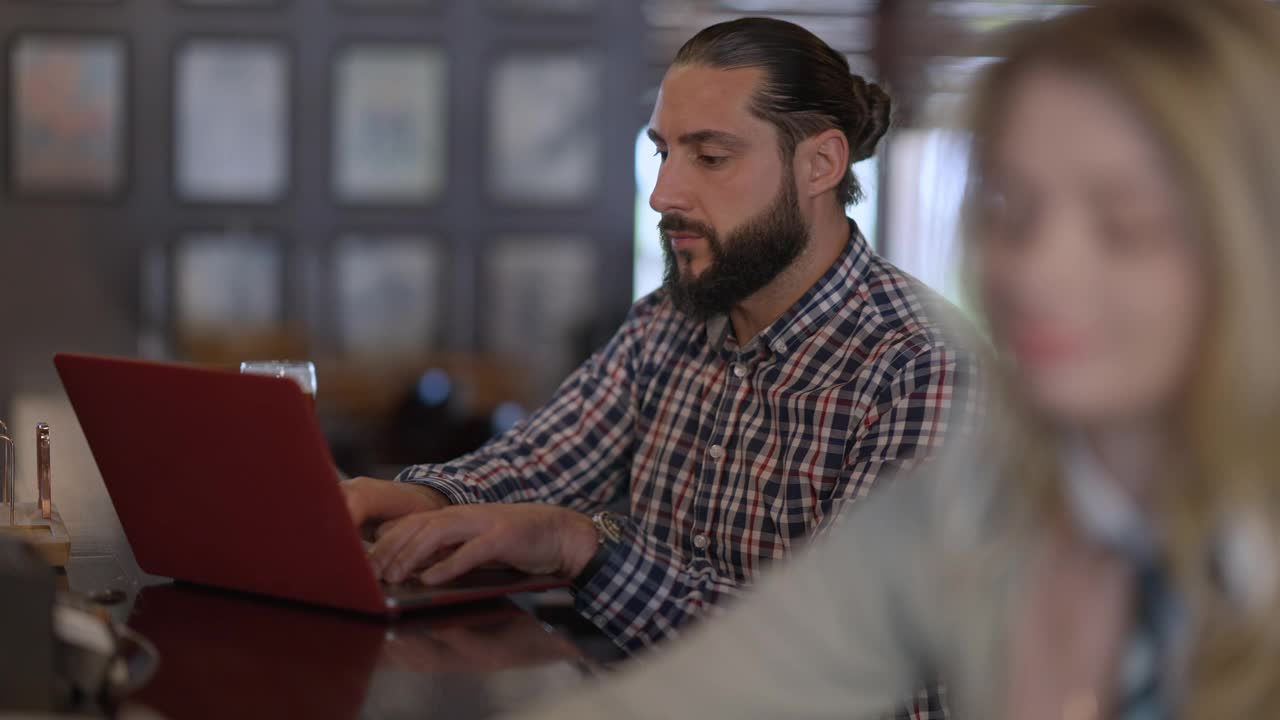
x: 37, y: 523
x: 9, y: 481
x: 43, y: 479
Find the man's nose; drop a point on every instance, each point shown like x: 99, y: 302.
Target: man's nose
x: 671, y: 193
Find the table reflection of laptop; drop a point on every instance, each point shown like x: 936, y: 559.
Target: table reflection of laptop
x: 269, y: 659
x: 225, y: 479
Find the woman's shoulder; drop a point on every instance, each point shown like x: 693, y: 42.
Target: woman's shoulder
x: 960, y: 497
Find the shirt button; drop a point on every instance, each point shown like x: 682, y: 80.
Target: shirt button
x: 601, y: 620
x: 740, y: 370
x: 701, y: 542
x: 779, y: 347
x: 716, y: 452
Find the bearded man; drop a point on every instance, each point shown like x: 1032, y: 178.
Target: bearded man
x: 780, y: 372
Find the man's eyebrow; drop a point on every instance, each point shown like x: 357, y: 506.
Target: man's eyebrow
x: 715, y: 137
x: 699, y: 137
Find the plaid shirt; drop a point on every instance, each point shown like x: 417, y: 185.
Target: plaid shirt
x: 730, y: 455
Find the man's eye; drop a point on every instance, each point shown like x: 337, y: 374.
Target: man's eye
x: 660, y: 153
x: 712, y: 160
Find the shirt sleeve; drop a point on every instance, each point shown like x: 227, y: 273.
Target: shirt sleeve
x: 574, y: 451
x: 838, y: 633
x: 645, y: 591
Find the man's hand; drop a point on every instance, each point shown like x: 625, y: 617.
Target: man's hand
x: 537, y: 539
x: 376, y: 500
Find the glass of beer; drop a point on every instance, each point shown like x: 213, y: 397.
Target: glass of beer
x: 303, y: 373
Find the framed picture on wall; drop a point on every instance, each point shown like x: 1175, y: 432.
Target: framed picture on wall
x: 374, y: 5
x: 232, y: 3
x: 231, y: 130
x: 545, y: 145
x: 67, y: 108
x: 228, y: 282
x: 389, y: 295
x: 389, y: 141
x: 548, y: 7
x: 541, y: 291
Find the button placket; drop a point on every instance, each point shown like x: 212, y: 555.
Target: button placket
x: 716, y: 451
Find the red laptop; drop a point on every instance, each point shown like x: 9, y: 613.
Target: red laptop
x: 225, y: 479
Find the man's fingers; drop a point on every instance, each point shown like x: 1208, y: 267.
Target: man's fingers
x: 434, y: 533
x: 388, y: 526
x: 389, y: 543
x: 400, y: 563
x: 471, y: 555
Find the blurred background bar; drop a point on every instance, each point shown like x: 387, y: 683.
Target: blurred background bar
x: 442, y: 203
x: 392, y: 187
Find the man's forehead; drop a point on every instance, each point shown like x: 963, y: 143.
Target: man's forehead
x: 701, y: 96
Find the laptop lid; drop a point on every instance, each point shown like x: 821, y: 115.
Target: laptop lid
x: 221, y: 478
x: 225, y: 479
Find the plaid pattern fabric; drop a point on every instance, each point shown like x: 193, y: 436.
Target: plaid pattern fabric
x: 730, y: 456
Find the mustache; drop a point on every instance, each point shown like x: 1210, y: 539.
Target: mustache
x: 679, y: 223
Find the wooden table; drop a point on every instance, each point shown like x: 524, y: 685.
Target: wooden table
x: 225, y: 654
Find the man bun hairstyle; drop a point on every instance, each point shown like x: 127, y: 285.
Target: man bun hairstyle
x: 808, y: 87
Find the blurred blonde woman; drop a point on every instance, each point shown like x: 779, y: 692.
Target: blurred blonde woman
x: 1108, y: 548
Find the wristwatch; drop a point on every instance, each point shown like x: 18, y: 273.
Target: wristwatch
x: 609, y: 528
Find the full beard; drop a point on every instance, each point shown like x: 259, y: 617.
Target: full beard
x: 751, y: 256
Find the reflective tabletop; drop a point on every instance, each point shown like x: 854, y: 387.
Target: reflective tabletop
x: 226, y: 654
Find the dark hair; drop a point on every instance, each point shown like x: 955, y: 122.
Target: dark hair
x: 808, y: 87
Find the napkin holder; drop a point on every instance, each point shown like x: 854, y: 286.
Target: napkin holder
x: 37, y: 523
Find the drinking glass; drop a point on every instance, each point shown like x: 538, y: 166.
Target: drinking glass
x: 301, y: 372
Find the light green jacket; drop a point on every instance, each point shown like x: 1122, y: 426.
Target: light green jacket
x: 910, y: 586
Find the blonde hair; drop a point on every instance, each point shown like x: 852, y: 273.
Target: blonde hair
x: 1204, y: 76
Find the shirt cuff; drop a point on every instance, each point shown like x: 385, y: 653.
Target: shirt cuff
x: 455, y: 490
x: 624, y: 596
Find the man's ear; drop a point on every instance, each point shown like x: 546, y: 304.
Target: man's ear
x: 821, y: 162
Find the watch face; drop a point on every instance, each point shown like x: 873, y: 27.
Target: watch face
x: 609, y: 526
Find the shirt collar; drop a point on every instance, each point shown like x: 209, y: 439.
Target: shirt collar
x: 1102, y: 510
x: 837, y: 286
x: 1243, y: 554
